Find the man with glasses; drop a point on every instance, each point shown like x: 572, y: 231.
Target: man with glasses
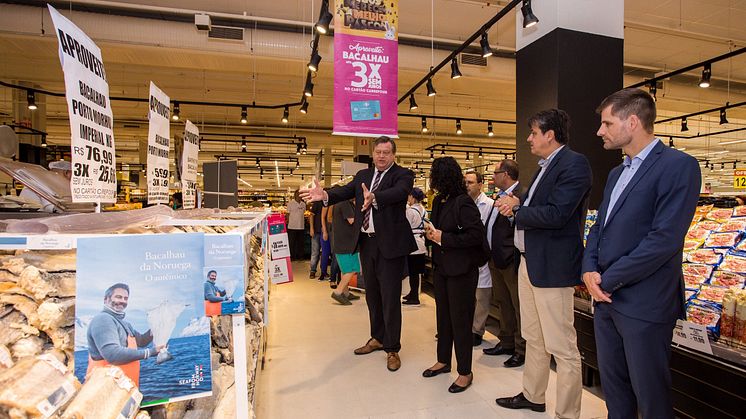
x: 503, y: 267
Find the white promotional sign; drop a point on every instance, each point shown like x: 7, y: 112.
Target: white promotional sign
x: 278, y: 271
x: 190, y: 160
x: 159, y: 142
x: 692, y: 336
x: 91, y: 119
x: 279, y: 246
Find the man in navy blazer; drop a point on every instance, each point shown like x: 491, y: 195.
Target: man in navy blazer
x: 632, y: 263
x: 549, y: 235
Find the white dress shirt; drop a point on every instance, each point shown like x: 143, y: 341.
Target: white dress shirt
x: 371, y: 227
x: 484, y: 204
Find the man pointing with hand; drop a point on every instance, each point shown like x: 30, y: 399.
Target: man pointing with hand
x: 384, y: 239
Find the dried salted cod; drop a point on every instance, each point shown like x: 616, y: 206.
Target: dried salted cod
x: 6, y: 359
x: 62, y: 283
x: 37, y: 386
x: 25, y: 305
x: 56, y: 313
x: 107, y: 394
x: 27, y: 347
x: 31, y: 280
x: 63, y: 339
x: 50, y: 260
x: 10, y: 335
x: 13, y: 264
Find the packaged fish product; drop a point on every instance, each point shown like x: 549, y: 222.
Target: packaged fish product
x: 703, y: 314
x: 728, y: 279
x: 37, y: 386
x: 703, y: 209
x: 739, y: 211
x: 697, y: 269
x: 720, y: 214
x: 107, y: 394
x: 698, y: 234
x: 733, y: 263
x: 693, y: 281
x: 708, y: 225
x: 711, y: 293
x: 690, y: 293
x: 706, y: 256
x: 734, y: 224
x: 723, y: 240
x: 728, y: 316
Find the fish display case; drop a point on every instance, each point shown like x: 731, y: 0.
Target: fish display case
x: 708, y: 371
x: 38, y: 269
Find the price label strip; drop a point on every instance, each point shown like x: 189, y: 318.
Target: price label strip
x: 190, y: 161
x: 692, y: 336
x: 159, y: 142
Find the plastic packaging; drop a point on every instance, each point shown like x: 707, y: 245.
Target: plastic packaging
x: 106, y: 222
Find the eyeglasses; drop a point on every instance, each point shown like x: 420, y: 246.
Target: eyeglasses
x: 500, y: 171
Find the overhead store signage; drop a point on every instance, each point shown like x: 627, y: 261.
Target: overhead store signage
x: 189, y: 161
x: 159, y: 143
x: 739, y: 179
x: 91, y: 119
x: 366, y: 67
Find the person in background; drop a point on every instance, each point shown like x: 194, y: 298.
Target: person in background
x: 344, y: 248
x: 178, y: 201
x: 335, y: 274
x: 326, y: 244
x: 416, y: 260
x: 483, y: 299
x: 296, y: 226
x: 315, y: 233
x: 458, y: 251
x: 59, y: 167
x: 632, y: 262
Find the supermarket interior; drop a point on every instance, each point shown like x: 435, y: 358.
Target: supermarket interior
x: 189, y: 165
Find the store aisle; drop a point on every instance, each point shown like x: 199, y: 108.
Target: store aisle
x: 311, y: 372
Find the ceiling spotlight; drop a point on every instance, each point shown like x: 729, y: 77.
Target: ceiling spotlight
x: 244, y: 115
x: 285, y: 115
x: 529, y: 19
x: 480, y: 153
x: 455, y: 73
x: 304, y: 150
x: 734, y: 165
x: 297, y: 164
x: 282, y: 177
x: 490, y: 133
x: 468, y: 157
x: 302, y: 177
x: 261, y: 173
x: 707, y: 164
x: 297, y: 149
x: 176, y: 111
x: 670, y: 142
x: 308, y: 90
x: 412, y: 103
x: 706, y: 74
x: 304, y: 107
x: 44, y: 141
x: 442, y: 151
x: 722, y: 165
x: 257, y: 162
x: 243, y: 146
x: 432, y: 157
x: 723, y: 116
x: 313, y: 65
x: 424, y: 125
x: 31, y: 99
x: 458, y: 127
x: 325, y: 18
x: 653, y: 89
x: 684, y: 126
x: 430, y: 89
x: 485, y: 43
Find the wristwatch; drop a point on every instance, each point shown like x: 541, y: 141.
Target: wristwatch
x: 515, y: 208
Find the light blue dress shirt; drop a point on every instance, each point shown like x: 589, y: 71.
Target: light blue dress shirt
x: 631, y: 165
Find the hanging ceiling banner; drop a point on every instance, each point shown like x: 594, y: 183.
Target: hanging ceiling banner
x: 91, y: 120
x: 159, y: 143
x: 366, y: 67
x: 189, y: 161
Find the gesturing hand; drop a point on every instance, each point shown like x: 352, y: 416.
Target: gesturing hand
x: 316, y: 193
x: 368, y: 197
x: 592, y: 281
x: 506, y: 203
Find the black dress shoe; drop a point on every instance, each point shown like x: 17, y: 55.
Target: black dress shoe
x: 520, y: 402
x: 432, y: 373
x: 477, y: 339
x: 498, y: 350
x: 411, y: 302
x: 455, y: 388
x: 515, y: 361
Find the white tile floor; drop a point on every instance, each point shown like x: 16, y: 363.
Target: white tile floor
x: 311, y: 372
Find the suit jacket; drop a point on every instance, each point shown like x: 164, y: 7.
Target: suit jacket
x: 389, y: 218
x: 463, y: 237
x: 554, y: 221
x: 638, y: 252
x: 503, y: 249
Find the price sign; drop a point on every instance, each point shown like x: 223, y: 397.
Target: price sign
x: 89, y: 109
x: 190, y: 161
x: 692, y: 336
x: 739, y: 179
x: 159, y: 142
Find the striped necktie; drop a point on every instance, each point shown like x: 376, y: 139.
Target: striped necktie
x: 367, y: 214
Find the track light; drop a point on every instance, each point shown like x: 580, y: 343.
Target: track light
x: 734, y: 165
x: 308, y: 90
x: 176, y: 111
x: 430, y: 89
x: 243, y: 146
x: 297, y: 164
x: 412, y: 103
x: 455, y: 73
x: 485, y: 43
x: 424, y: 125
x: 481, y: 155
x: 706, y: 74
x: 722, y: 166
x: 468, y: 157
x: 304, y: 150
x: 490, y: 133
x: 432, y: 157
x: 244, y: 115
x: 257, y: 162
x: 325, y: 18
x: 261, y: 173
x: 44, y: 141
x: 529, y: 19
x: 684, y: 126
x: 31, y: 99
x: 723, y: 116
x: 458, y: 127
x: 442, y: 151
x: 313, y: 65
x: 285, y: 115
x: 304, y: 107
x: 302, y: 177
x: 297, y: 149
x: 670, y: 142
x: 653, y: 89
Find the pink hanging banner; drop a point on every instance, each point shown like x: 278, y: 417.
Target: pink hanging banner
x: 366, y: 67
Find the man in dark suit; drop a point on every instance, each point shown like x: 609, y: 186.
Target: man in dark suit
x: 385, y: 240
x: 632, y: 264
x: 549, y: 235
x: 503, y: 266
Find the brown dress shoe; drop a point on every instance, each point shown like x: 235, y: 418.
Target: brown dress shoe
x: 393, y: 362
x: 371, y: 346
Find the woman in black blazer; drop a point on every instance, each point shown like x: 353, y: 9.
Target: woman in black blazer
x: 458, y: 236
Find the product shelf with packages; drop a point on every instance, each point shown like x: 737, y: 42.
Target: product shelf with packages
x: 708, y: 362
x: 57, y: 300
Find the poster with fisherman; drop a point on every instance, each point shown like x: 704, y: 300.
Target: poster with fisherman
x: 139, y: 307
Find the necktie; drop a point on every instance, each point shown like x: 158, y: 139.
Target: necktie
x: 367, y: 214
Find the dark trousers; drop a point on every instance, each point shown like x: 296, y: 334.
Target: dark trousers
x: 454, y: 311
x: 416, y: 267
x: 296, y: 238
x: 505, y: 290
x: 633, y: 359
x: 383, y: 279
